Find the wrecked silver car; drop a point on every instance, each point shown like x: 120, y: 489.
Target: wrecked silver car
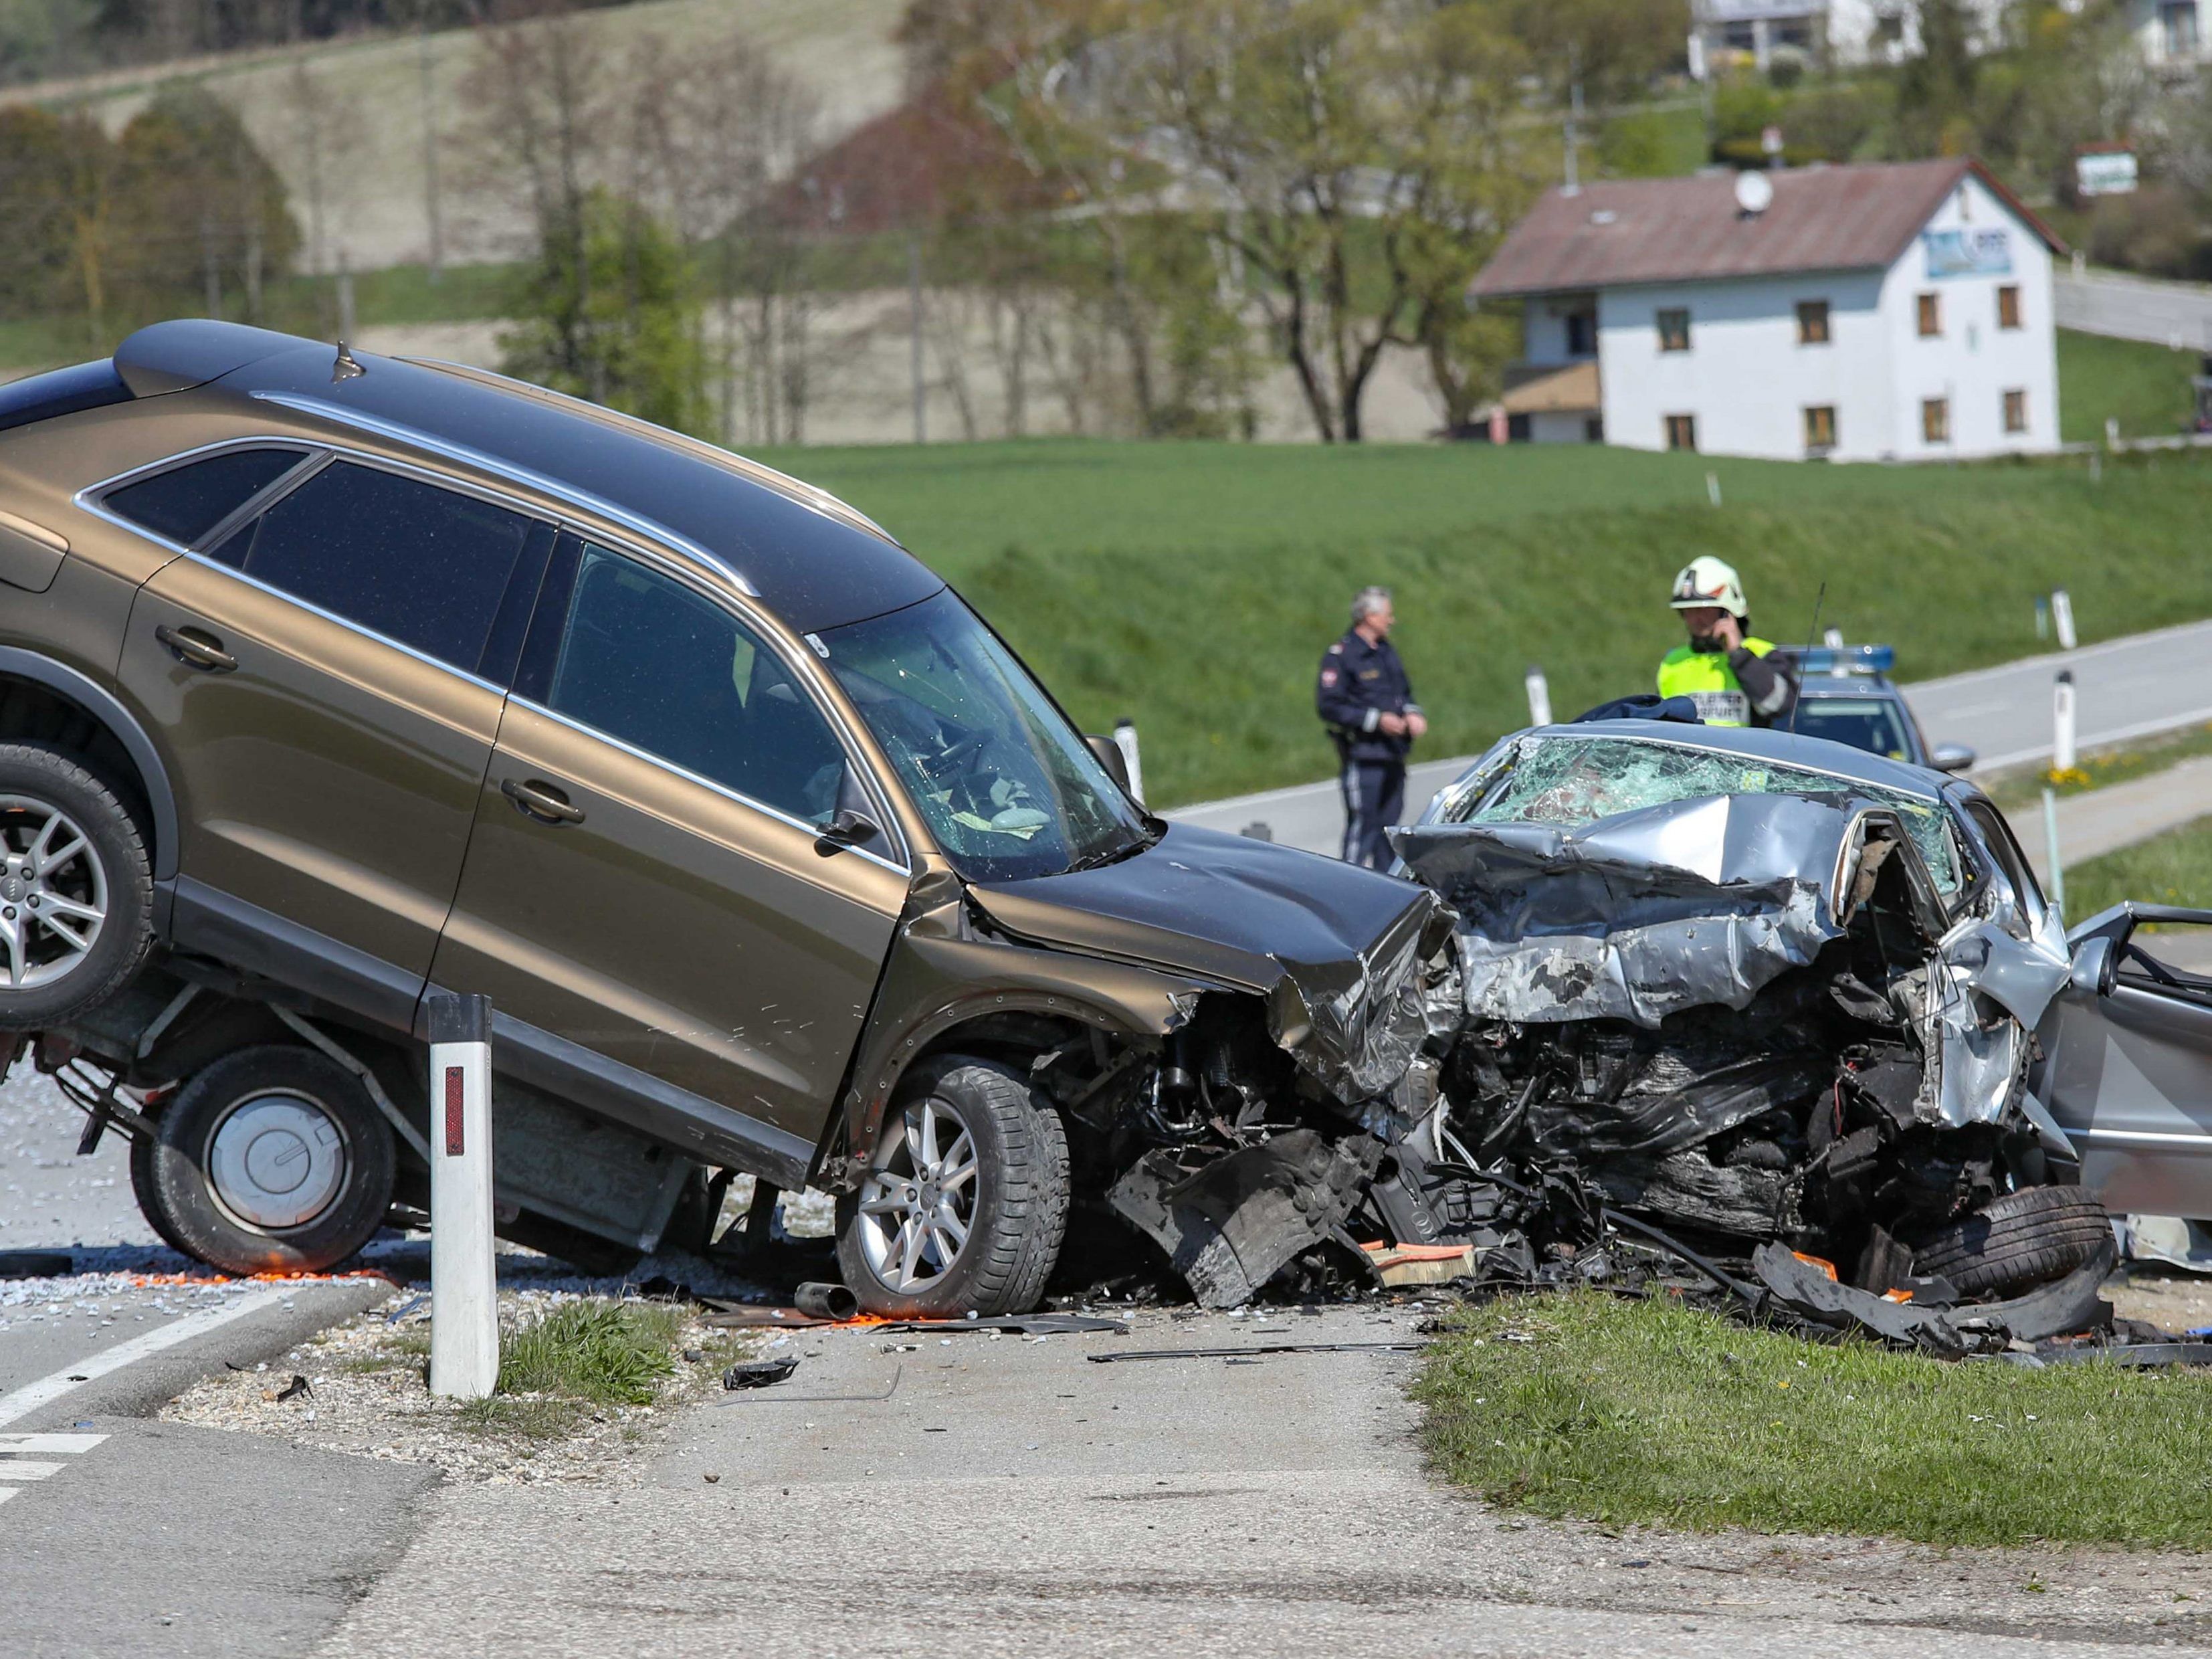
x: 1759, y: 990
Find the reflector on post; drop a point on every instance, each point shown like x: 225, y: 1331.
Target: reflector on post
x: 464, y: 1289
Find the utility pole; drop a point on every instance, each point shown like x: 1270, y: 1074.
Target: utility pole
x: 430, y: 206
x: 1574, y: 120
x: 914, y: 315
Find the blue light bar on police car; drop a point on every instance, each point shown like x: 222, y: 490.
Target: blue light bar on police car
x: 1844, y: 660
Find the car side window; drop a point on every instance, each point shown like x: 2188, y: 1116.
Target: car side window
x: 645, y: 659
x: 421, y: 565
x: 2009, y: 858
x: 185, y: 502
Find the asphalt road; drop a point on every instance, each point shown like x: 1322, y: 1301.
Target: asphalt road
x: 2178, y: 315
x: 2125, y: 687
x: 982, y: 1498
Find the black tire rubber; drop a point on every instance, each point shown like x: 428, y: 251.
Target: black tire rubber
x: 55, y: 780
x: 170, y: 1172
x: 1021, y: 1208
x: 2017, y: 1241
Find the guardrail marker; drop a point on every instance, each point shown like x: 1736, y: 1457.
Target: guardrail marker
x: 2057, y: 882
x: 463, y: 1288
x: 1539, y: 696
x: 1125, y: 740
x: 2062, y: 755
x: 2062, y: 617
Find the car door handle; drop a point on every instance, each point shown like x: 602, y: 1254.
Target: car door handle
x: 541, y: 801
x: 196, y: 648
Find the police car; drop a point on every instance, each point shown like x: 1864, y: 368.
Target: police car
x: 1844, y: 693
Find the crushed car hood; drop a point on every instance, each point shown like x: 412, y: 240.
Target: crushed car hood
x: 1336, y: 950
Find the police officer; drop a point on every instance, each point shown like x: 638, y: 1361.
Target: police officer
x: 1723, y: 669
x: 1364, y: 698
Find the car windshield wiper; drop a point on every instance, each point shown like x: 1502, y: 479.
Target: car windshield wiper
x: 1109, y: 856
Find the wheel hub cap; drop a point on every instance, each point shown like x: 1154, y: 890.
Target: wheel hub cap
x: 918, y: 1203
x: 276, y: 1161
x: 53, y: 893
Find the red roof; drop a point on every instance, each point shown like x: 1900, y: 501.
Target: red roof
x: 1620, y: 231
x: 927, y: 160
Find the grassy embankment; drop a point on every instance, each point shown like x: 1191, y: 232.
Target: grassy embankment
x: 1193, y: 586
x: 2145, y: 387
x: 1651, y: 1413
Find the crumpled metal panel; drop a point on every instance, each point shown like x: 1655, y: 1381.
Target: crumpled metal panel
x: 1991, y: 990
x: 1638, y: 915
x: 1355, y: 1025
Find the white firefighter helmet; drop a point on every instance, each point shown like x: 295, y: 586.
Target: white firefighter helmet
x: 1709, y: 583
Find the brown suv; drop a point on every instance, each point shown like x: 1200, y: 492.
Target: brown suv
x: 328, y: 682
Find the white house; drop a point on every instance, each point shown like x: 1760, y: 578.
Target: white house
x: 2169, y: 33
x: 1851, y: 312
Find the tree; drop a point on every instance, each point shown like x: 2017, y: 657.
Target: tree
x: 623, y: 329
x: 1364, y: 155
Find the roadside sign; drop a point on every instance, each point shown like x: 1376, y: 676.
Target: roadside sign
x: 2105, y: 172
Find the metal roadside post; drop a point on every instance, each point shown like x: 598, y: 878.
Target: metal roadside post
x: 2062, y: 755
x: 1539, y: 696
x: 1125, y: 740
x: 2062, y: 618
x: 2057, y: 869
x: 463, y: 1290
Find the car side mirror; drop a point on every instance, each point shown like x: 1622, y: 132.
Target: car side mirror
x: 2096, y: 966
x: 1952, y: 757
x: 1110, y: 757
x: 847, y: 829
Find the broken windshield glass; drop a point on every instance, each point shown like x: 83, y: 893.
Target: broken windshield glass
x: 1570, y: 782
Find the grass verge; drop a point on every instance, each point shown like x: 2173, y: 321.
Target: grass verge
x: 1654, y: 1413
x: 2144, y: 387
x: 608, y: 1353
x: 2174, y: 868
x: 2022, y: 790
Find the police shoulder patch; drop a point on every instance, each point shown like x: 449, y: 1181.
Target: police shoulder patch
x: 1336, y: 650
x: 1328, y: 676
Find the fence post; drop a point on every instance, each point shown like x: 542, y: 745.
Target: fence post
x: 464, y: 1289
x: 1125, y: 740
x: 1539, y: 696
x: 2062, y: 755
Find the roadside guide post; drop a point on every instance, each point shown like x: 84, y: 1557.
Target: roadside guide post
x: 2057, y: 881
x: 1125, y: 740
x: 2062, y: 615
x: 463, y: 1292
x: 1539, y: 697
x: 2062, y: 755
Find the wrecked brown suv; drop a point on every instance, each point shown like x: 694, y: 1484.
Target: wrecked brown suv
x: 330, y: 682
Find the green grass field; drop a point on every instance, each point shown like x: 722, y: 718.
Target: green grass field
x: 1651, y: 1413
x: 2174, y: 868
x: 1193, y: 586
x: 2146, y: 387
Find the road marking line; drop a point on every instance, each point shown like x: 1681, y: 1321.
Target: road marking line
x: 6, y: 1492
x: 49, y: 1444
x: 12, y: 1469
x: 2100, y: 739
x: 32, y: 1395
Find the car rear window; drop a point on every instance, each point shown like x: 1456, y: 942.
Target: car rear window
x: 185, y: 502
x: 423, y: 566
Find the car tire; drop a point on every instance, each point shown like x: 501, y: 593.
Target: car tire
x: 57, y: 963
x: 1013, y: 1207
x: 270, y: 1160
x: 2017, y: 1241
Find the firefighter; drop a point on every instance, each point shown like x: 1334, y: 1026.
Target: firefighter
x: 1365, y: 701
x: 1723, y: 668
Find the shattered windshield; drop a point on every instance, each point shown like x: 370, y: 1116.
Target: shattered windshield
x: 1572, y: 782
x: 1009, y: 789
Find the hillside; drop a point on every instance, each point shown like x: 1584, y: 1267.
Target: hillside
x: 1193, y: 586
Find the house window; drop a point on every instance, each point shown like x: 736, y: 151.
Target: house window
x: 1581, y: 334
x: 1935, y: 420
x: 1593, y: 428
x: 2016, y: 411
x: 1812, y: 322
x: 2177, y: 22
x: 1819, y: 429
x: 1931, y: 316
x: 1681, y: 432
x: 1675, y: 330
x: 1888, y: 27
x: 2009, y: 307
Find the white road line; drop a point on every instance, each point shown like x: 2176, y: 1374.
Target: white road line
x: 32, y: 1395
x: 49, y: 1444
x: 7, y: 1492
x: 20, y: 1469
x: 2093, y: 740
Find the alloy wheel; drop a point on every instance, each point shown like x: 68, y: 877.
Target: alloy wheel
x: 918, y: 1203
x: 53, y: 893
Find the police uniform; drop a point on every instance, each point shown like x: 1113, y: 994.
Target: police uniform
x: 1737, y: 687
x: 1359, y: 684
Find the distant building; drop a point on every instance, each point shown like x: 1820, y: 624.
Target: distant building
x: 1843, y: 32
x: 1859, y: 313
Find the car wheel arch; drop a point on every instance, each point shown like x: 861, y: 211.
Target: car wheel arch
x: 56, y: 684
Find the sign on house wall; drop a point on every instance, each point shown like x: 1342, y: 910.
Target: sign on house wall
x: 1968, y: 251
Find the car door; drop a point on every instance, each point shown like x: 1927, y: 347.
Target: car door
x: 320, y: 678
x: 2127, y: 1072
x: 647, y: 900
